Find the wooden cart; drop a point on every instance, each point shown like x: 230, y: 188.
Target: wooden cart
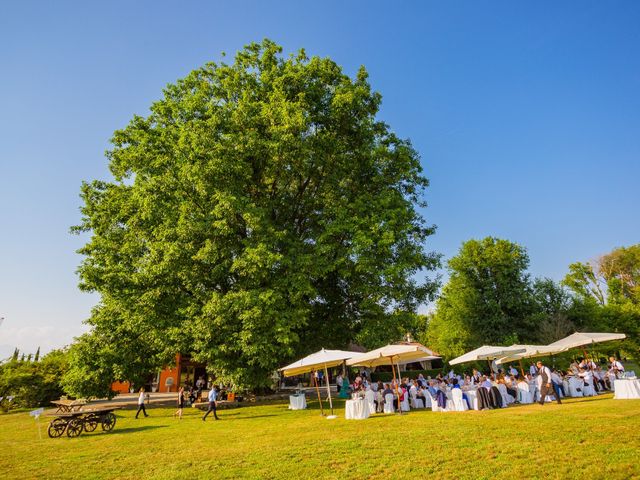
x: 74, y: 423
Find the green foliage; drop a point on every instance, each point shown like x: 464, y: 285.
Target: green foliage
x: 488, y: 299
x: 607, y: 295
x: 552, y: 311
x: 33, y: 384
x: 261, y: 211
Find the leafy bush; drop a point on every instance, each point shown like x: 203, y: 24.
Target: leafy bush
x: 32, y: 384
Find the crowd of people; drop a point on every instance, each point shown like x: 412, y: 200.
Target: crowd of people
x: 493, y: 389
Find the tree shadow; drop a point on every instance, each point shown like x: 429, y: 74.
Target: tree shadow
x: 116, y: 430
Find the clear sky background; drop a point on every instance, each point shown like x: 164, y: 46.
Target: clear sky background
x: 526, y: 115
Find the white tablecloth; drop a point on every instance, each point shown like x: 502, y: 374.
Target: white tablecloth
x: 627, y: 389
x: 297, y: 402
x: 472, y: 395
x: 356, y: 409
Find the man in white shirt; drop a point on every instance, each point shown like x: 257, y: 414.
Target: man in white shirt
x: 533, y: 371
x: 544, y: 383
x: 213, y: 397
x: 616, y: 367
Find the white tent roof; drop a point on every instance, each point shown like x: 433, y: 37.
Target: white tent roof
x: 398, y: 353
x: 485, y: 352
x: 315, y: 361
x: 579, y: 339
x: 530, y: 351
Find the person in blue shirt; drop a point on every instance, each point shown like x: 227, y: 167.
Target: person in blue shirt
x: 213, y: 396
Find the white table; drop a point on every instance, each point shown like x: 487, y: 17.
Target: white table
x: 627, y: 389
x: 356, y: 409
x: 297, y: 402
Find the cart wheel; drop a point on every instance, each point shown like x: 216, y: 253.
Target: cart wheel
x: 91, y: 423
x: 108, y: 422
x: 57, y: 426
x: 74, y: 428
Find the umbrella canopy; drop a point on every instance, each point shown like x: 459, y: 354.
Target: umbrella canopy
x: 397, y: 353
x: 580, y: 339
x: 316, y: 361
x: 486, y: 352
x: 530, y: 351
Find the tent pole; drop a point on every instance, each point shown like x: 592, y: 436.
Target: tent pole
x: 397, y: 385
x: 521, y: 369
x: 315, y: 380
x: 326, y: 374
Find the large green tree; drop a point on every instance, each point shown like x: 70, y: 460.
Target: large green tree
x: 260, y: 211
x: 607, y: 292
x: 487, y: 300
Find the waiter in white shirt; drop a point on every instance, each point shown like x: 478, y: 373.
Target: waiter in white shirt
x: 616, y: 367
x: 544, y: 383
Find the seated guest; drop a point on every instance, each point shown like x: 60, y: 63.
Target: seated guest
x: 476, y: 378
x: 421, y: 380
x: 486, y: 383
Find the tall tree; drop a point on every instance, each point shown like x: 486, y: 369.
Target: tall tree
x: 608, y: 289
x: 611, y: 278
x: 260, y: 211
x: 487, y: 299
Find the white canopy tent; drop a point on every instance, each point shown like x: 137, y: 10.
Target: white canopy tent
x: 399, y: 353
x: 530, y: 351
x: 393, y: 354
x: 486, y: 352
x: 581, y: 339
x: 322, y: 359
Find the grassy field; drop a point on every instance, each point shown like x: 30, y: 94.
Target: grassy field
x: 586, y: 438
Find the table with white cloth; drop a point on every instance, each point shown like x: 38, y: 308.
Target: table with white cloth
x: 297, y: 402
x: 357, y: 409
x: 627, y: 388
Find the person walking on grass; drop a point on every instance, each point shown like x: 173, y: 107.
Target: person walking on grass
x: 544, y: 383
x: 180, y: 403
x: 213, y: 396
x: 141, y: 403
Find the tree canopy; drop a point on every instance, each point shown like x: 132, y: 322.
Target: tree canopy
x: 260, y: 211
x: 487, y: 300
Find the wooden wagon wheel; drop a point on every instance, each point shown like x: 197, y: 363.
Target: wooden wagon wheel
x: 57, y: 426
x: 108, y: 421
x: 91, y: 423
x: 74, y: 428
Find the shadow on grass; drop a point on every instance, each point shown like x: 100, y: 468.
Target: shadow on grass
x: 116, y: 430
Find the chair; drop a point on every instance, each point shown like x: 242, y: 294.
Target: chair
x: 369, y: 397
x: 506, y: 398
x: 459, y: 405
x: 524, y: 395
x: 415, y: 401
x: 588, y: 390
x: 388, y: 403
x: 427, y: 399
x: 404, y: 404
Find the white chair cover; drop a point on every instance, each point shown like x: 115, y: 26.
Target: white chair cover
x: 588, y: 390
x: 524, y: 395
x: 404, y: 404
x: 415, y: 401
x: 427, y: 399
x: 506, y: 398
x: 459, y: 405
x: 370, y: 396
x: 388, y: 403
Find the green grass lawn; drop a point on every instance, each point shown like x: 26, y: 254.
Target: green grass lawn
x: 586, y: 438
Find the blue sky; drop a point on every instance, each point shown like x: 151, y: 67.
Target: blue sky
x: 526, y: 115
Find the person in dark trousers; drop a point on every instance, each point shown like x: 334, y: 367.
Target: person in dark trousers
x: 544, y: 383
x: 213, y: 396
x: 141, y: 404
